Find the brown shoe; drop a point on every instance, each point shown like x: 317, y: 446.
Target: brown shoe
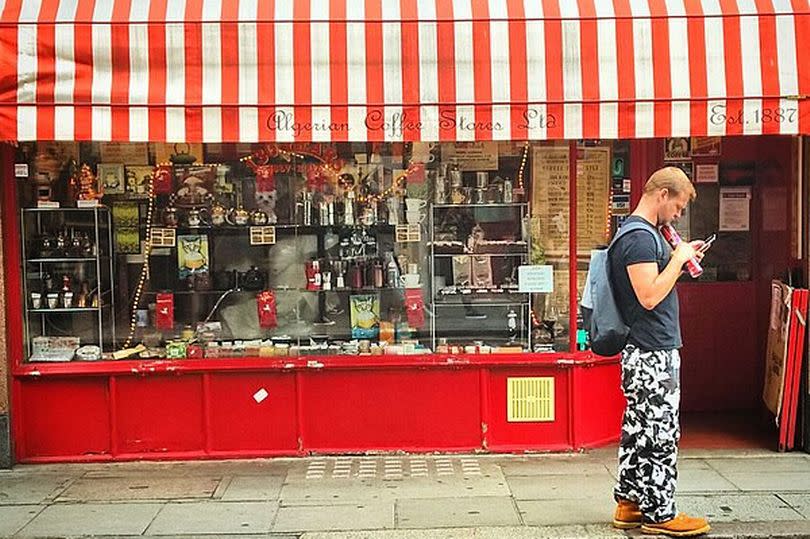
x: 627, y: 515
x: 680, y: 526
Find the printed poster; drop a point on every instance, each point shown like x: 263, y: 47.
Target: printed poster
x: 735, y: 206
x: 593, y: 198
x: 550, y: 199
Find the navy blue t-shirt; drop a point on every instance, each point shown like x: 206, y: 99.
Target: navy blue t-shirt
x: 659, y: 328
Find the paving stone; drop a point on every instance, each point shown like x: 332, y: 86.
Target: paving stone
x: 318, y: 491
x: 30, y: 489
x: 253, y: 487
x: 576, y: 464
x: 91, y: 519
x: 772, y: 463
x: 572, y: 511
x: 799, y: 502
x: 556, y: 487
x: 770, y: 481
x: 14, y: 517
x: 456, y: 512
x: 703, y: 480
x: 738, y: 507
x: 214, y: 518
x: 139, y: 487
x: 361, y: 516
x: 500, y: 532
x: 205, y: 468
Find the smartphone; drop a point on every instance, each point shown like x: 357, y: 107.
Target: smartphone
x: 707, y: 243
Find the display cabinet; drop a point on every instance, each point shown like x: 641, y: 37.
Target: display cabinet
x: 67, y: 267
x: 475, y: 252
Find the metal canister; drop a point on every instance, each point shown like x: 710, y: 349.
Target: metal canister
x: 507, y: 191
x: 455, y: 177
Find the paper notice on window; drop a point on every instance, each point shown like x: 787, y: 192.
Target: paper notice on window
x: 472, y: 155
x: 735, y: 209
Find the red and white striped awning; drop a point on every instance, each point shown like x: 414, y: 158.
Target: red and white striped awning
x: 358, y: 70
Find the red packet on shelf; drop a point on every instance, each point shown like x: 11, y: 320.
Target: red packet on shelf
x: 164, y: 311
x: 266, y: 305
x: 415, y: 307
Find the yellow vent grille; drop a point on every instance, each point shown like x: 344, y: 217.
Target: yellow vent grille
x: 530, y: 399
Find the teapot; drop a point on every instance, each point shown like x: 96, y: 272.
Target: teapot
x: 253, y: 279
x: 46, y: 245
x: 218, y: 214
x: 258, y: 218
x: 171, y: 218
x: 194, y: 217
x: 238, y: 216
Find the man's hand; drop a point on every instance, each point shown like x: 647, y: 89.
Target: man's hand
x: 697, y: 245
x: 684, y: 252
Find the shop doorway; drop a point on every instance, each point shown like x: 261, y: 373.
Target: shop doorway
x: 747, y: 190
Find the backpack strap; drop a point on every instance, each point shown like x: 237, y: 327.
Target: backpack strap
x: 638, y: 225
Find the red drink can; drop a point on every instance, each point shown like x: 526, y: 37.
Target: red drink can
x: 673, y: 238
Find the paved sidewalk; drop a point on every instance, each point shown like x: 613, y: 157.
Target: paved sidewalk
x: 745, y: 494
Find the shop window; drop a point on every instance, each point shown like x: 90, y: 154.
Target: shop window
x: 226, y: 250
x: 603, y: 203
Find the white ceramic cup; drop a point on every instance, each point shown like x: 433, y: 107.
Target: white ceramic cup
x: 414, y: 217
x: 414, y: 204
x: 410, y: 280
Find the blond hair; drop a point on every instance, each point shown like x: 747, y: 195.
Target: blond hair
x: 673, y: 179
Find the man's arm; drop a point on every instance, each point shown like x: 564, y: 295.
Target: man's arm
x: 652, y: 287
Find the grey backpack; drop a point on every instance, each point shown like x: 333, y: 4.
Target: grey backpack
x: 600, y: 313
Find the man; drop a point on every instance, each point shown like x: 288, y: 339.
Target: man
x: 644, y: 270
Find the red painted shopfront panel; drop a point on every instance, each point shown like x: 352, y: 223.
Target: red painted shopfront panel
x: 159, y: 414
x: 547, y: 435
x: 252, y: 412
x: 598, y: 403
x: 405, y: 409
x: 64, y: 417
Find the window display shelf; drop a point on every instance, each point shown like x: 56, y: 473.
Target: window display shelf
x: 480, y: 302
x: 60, y: 260
x: 274, y: 289
x: 67, y: 208
x: 485, y: 205
x: 280, y: 228
x: 482, y: 254
x: 68, y: 310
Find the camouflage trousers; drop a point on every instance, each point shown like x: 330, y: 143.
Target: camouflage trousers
x: 648, y: 450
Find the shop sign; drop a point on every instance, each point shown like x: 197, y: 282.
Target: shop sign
x: 409, y: 122
x: 20, y: 170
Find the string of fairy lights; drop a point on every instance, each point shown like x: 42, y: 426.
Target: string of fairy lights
x: 147, y: 250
